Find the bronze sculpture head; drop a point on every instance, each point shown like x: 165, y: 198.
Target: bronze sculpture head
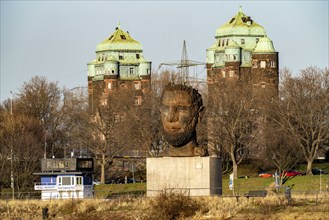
x: 181, y: 110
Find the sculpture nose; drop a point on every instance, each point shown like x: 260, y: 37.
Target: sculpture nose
x: 172, y: 114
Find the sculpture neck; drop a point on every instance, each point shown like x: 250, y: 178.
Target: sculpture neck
x: 185, y: 151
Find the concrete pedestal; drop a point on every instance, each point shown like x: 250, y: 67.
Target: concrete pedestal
x: 195, y: 176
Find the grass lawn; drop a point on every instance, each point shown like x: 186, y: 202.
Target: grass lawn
x: 308, y: 183
x: 297, y: 183
x: 242, y: 186
x: 103, y: 191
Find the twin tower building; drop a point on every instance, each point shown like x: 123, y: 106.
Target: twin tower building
x: 241, y: 50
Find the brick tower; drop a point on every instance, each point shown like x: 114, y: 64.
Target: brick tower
x: 242, y: 52
x: 119, y: 64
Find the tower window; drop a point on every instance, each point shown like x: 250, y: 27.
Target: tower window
x: 254, y: 63
x: 137, y: 85
x: 272, y: 64
x: 104, y: 102
x: 242, y: 41
x: 123, y: 37
x: 120, y: 56
x: 131, y: 71
x: 113, y: 71
x: 263, y: 64
x: 119, y: 117
x: 232, y: 20
x: 138, y: 100
x: 219, y: 43
x: 137, y: 55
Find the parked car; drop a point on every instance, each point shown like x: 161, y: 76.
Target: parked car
x: 291, y: 173
x: 243, y: 177
x: 316, y: 171
x: 265, y: 175
x: 96, y: 182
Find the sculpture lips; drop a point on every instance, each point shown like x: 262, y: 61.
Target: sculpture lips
x: 172, y: 129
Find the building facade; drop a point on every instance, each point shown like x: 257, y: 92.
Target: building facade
x: 119, y: 81
x: 119, y: 63
x: 242, y: 52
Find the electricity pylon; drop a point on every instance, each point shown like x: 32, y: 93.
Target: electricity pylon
x: 184, y: 64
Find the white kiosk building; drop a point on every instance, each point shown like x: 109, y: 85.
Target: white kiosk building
x: 66, y: 178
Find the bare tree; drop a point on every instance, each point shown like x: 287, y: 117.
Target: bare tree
x: 21, y: 149
x: 159, y: 80
x: 230, y: 121
x: 75, y: 111
x: 41, y: 100
x: 109, y: 131
x: 281, y: 149
x: 302, y: 110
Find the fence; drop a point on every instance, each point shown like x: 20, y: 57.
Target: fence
x: 20, y: 195
x: 295, y: 195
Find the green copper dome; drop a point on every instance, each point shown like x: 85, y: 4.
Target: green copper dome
x: 240, y: 25
x: 264, y: 45
x: 119, y: 40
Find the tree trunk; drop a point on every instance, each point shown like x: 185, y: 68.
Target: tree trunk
x: 309, y: 167
x: 235, y: 169
x: 103, y: 170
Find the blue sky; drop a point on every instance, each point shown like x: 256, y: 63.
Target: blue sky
x: 57, y: 39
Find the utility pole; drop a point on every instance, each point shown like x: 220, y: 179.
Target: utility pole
x: 12, y: 182
x: 45, y: 138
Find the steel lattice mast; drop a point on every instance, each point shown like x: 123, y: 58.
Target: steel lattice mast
x: 184, y: 64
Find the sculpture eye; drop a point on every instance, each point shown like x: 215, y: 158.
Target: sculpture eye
x: 182, y: 108
x: 164, y: 108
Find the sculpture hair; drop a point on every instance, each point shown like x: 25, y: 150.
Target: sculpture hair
x: 195, y: 95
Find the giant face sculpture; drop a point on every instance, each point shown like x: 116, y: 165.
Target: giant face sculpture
x: 181, y: 110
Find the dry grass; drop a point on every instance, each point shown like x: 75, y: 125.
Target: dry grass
x: 214, y: 208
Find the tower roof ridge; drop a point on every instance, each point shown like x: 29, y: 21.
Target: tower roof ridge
x: 240, y: 24
x: 119, y: 39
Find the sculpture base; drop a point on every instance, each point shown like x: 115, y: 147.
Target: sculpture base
x: 194, y: 176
